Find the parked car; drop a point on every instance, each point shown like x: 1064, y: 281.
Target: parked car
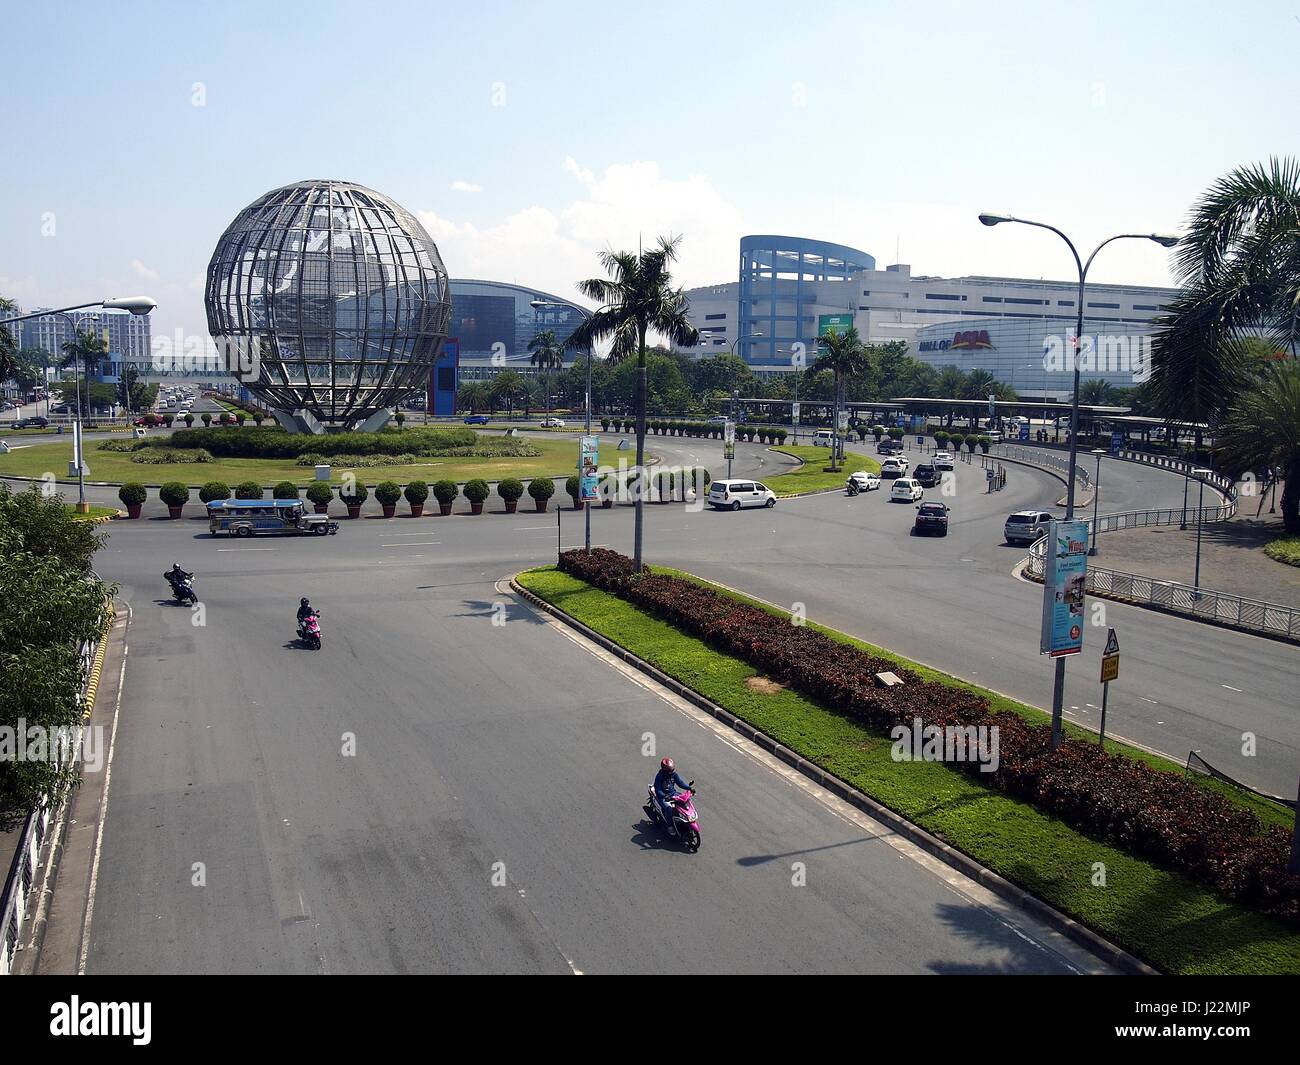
x: 889, y: 446
x: 865, y: 480
x: 896, y: 466
x: 477, y: 419
x: 906, y: 490
x: 931, y: 518
x: 928, y: 474
x: 734, y: 494
x: 34, y: 422
x: 822, y: 438
x: 1026, y: 526
x: 552, y: 423
x: 942, y: 460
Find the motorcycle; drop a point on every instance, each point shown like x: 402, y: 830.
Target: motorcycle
x: 852, y: 487
x: 685, y: 825
x: 183, y: 589
x: 309, y: 631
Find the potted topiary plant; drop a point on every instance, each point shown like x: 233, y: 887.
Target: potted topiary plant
x: 985, y: 443
x: 416, y: 493
x: 168, y: 419
x: 353, y: 497
x: 972, y: 442
x: 285, y: 490
x: 240, y: 417
x: 189, y: 420
x: 175, y: 495
x: 476, y: 491
x: 664, y: 487
x: 213, y: 491
x: 541, y: 489
x: 607, y: 489
x: 445, y: 493
x: 320, y: 493
x: 248, y: 490
x: 510, y: 489
x: 132, y: 494
x: 206, y: 419
x: 257, y: 420
x: 574, y: 487
x: 399, y: 418
x: 604, y: 425
x: 388, y: 493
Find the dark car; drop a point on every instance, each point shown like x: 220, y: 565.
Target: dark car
x: 889, y: 446
x: 34, y: 422
x: 927, y: 475
x: 477, y: 419
x: 931, y: 518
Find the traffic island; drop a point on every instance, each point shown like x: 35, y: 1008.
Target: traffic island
x: 1157, y: 913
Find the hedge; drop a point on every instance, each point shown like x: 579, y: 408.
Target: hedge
x: 1158, y: 816
x: 275, y: 443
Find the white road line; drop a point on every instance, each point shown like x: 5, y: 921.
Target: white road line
x: 421, y: 543
x: 247, y: 549
x: 530, y: 528
x: 1229, y: 687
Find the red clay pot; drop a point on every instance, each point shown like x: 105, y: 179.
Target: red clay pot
x: 541, y: 505
x: 322, y: 508
x: 417, y: 509
x: 133, y: 510
x: 354, y: 510
x: 476, y: 508
x: 389, y: 509
x: 444, y: 509
x: 174, y: 512
x: 511, y: 505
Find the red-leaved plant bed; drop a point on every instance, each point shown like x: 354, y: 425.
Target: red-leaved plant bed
x: 1152, y: 814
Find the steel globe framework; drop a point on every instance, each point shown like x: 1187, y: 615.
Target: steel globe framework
x: 338, y: 293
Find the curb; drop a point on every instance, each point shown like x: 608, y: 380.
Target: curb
x: 97, y: 668
x: 949, y: 855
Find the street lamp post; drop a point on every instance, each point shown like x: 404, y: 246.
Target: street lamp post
x: 134, y: 304
x: 1096, y: 493
x: 1200, y: 473
x: 989, y: 219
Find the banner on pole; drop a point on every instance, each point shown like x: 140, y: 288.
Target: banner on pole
x: 1065, y: 576
x: 588, y: 461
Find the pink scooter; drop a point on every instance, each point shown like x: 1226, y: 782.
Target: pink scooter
x: 685, y: 826
x: 309, y: 631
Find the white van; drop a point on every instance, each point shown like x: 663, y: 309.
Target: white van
x: 734, y: 494
x: 823, y: 438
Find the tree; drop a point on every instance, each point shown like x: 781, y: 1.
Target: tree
x: 474, y: 397
x: 548, y: 354
x: 1238, y: 264
x: 720, y: 373
x: 1097, y: 393
x: 84, y: 352
x: 842, y: 353
x: 1261, y: 431
x: 636, y: 298
x: 507, y: 387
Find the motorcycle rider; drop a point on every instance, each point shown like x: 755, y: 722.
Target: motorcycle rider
x: 305, y: 610
x: 668, y: 782
x: 175, y: 575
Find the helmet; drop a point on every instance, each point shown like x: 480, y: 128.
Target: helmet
x: 303, y: 601
x: 667, y: 766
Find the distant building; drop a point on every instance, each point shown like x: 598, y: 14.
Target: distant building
x: 791, y: 289
x: 128, y: 336
x: 495, y: 321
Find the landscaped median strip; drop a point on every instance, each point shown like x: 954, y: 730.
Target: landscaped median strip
x: 1176, y: 924
x: 809, y: 476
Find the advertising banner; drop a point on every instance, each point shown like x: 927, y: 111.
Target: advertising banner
x: 794, y: 413
x: 729, y: 440
x: 1116, y: 441
x: 1065, y: 575
x: 833, y: 323
x: 588, y: 461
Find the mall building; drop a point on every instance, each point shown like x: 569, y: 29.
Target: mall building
x: 791, y: 289
x: 493, y: 323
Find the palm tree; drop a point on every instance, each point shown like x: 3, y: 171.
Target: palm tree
x: 548, y: 354
x: 507, y: 387
x: 475, y: 396
x: 636, y: 298
x: 1239, y: 267
x: 1261, y: 431
x: 950, y: 385
x: 1097, y: 393
x: 87, y: 349
x: 844, y: 355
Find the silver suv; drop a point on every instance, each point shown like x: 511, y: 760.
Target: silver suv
x: 1026, y: 526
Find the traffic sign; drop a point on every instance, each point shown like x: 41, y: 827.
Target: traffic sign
x: 1109, y: 668
x: 1112, y: 643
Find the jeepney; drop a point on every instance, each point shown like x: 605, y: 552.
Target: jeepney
x: 269, y: 517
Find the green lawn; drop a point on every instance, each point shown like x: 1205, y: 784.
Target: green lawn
x: 94, y: 513
x: 1285, y: 549
x: 558, y: 459
x: 1176, y: 925
x: 811, y: 476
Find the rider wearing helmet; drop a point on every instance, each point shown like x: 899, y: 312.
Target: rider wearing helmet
x: 175, y: 575
x: 668, y: 782
x: 305, y: 610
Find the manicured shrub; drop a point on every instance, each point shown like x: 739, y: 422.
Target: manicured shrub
x: 664, y: 486
x: 895, y: 433
x: 604, y: 425
x: 132, y: 494
x: 240, y: 417
x: 541, y: 488
x: 189, y: 420
x: 510, y: 489
x: 985, y: 443
x: 354, y: 494
x: 388, y: 493
x: 213, y: 491
x: 573, y: 486
x: 248, y: 490
x: 320, y: 492
x: 476, y: 491
x: 971, y: 440
x: 174, y: 494
x: 285, y: 490
x: 446, y: 491
x: 416, y: 492
x: 205, y: 418
x: 399, y: 418
x: 878, y: 431
x: 1159, y: 816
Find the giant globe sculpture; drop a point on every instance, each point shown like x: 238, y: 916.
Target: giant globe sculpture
x: 332, y: 299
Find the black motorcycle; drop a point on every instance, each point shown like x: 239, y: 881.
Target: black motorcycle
x: 182, y: 589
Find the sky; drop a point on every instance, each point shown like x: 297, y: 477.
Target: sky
x: 529, y: 136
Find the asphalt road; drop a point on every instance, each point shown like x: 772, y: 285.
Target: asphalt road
x: 490, y: 818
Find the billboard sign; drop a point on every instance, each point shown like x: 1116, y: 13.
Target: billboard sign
x: 1065, y: 576
x: 1116, y: 441
x: 588, y: 461
x: 833, y: 323
x: 729, y: 439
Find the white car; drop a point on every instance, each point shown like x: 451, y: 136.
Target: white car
x: 822, y: 438
x: 865, y: 480
x: 552, y: 423
x: 942, y: 460
x: 1026, y: 526
x: 906, y: 490
x: 734, y: 494
x: 895, y: 466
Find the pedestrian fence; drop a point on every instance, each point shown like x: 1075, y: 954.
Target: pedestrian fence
x: 1204, y: 604
x: 1197, y: 764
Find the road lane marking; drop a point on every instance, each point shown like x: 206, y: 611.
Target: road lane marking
x: 247, y: 549
x: 421, y: 543
x: 1229, y: 687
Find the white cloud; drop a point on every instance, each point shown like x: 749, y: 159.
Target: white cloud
x: 143, y: 271
x: 465, y: 186
x: 554, y: 247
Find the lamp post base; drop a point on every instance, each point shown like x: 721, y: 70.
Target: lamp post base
x: 83, y: 508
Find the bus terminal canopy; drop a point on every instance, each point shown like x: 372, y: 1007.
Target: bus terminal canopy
x: 920, y: 404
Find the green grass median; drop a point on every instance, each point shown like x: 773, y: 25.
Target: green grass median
x: 1161, y: 916
x: 812, y: 475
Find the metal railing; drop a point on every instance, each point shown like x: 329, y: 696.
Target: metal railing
x: 1048, y: 460
x: 1204, y: 604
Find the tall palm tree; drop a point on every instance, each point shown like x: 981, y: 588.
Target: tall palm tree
x: 1096, y: 392
x: 1239, y: 266
x: 1261, y: 431
x: 844, y: 355
x: 86, y: 350
x: 507, y: 387
x: 636, y: 298
x: 950, y: 385
x: 548, y: 354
